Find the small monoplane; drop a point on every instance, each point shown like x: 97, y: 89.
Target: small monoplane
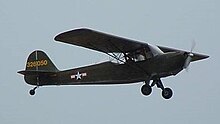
x: 135, y: 62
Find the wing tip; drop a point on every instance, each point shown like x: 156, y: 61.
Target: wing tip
x: 61, y: 36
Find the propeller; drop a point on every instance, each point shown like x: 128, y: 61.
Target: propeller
x: 189, y: 56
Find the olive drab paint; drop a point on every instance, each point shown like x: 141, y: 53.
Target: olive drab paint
x: 38, y: 60
x: 140, y: 62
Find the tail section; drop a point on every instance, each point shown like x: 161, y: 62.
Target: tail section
x: 39, y: 69
x: 39, y: 61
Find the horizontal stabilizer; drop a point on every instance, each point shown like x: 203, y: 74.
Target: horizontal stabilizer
x: 35, y: 73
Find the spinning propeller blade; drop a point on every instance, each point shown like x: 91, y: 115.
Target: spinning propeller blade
x: 189, y: 56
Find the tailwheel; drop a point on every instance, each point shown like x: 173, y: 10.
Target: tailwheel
x: 167, y: 93
x: 146, y: 90
x: 32, y: 91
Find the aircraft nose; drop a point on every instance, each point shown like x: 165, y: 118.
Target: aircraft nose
x: 196, y: 56
x: 204, y: 57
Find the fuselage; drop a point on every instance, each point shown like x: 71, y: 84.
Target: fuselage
x: 113, y: 73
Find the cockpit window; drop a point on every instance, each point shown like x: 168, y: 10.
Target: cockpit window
x: 138, y: 55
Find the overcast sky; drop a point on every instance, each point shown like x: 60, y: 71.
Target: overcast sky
x: 28, y: 25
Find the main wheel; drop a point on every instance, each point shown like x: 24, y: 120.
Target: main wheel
x: 146, y: 90
x: 167, y: 93
x: 32, y: 92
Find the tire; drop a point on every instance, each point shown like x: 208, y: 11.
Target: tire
x: 167, y: 93
x: 146, y: 90
x: 32, y: 92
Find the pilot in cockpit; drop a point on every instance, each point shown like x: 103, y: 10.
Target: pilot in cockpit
x: 139, y: 55
x: 143, y: 54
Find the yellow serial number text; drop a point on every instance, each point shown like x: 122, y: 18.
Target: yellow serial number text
x: 37, y: 63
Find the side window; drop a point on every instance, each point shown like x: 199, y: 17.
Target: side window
x: 148, y: 55
x: 139, y: 55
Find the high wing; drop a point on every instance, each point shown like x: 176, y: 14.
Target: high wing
x: 195, y: 57
x: 107, y: 43
x: 99, y: 41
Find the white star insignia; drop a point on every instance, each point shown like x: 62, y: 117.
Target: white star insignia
x: 78, y: 76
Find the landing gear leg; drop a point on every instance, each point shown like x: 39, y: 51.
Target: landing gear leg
x: 32, y: 91
x: 159, y: 84
x: 166, y: 92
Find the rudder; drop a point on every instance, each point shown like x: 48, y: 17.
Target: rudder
x: 39, y: 61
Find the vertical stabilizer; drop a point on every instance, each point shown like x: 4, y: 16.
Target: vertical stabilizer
x: 39, y: 61
x: 39, y: 69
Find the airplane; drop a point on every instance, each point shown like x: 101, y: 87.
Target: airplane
x: 135, y: 62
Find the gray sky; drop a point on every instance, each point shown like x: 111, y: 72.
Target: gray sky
x: 29, y: 25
